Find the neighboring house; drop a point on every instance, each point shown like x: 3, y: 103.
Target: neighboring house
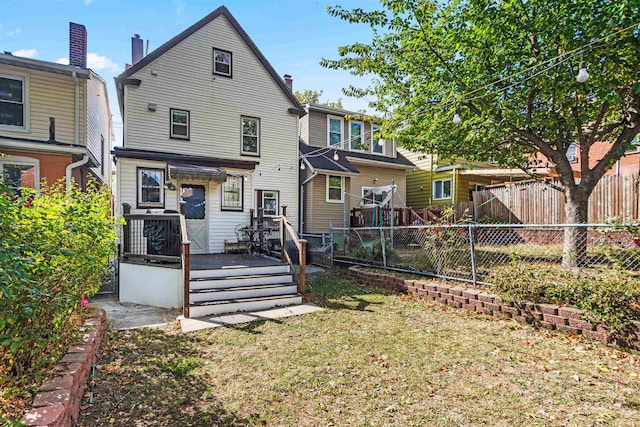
x: 207, y: 120
x: 55, y: 120
x: 629, y: 163
x: 437, y: 181
x: 364, y: 165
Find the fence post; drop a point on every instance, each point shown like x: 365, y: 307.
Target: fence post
x: 331, y: 240
x: 472, y: 247
x: 126, y: 235
x: 384, y: 252
x: 393, y: 208
x: 303, y: 264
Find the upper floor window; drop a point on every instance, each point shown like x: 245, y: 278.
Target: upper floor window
x: 635, y: 142
x: 12, y: 103
x: 150, y: 188
x: 356, y: 137
x: 442, y: 189
x: 232, y: 194
x: 179, y: 124
x: 335, y: 129
x: 377, y: 143
x: 335, y: 188
x: 221, y: 62
x: 20, y: 172
x: 572, y: 153
x: 250, y: 136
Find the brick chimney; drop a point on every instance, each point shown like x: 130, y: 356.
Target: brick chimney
x: 77, y: 45
x: 288, y: 81
x: 136, y: 49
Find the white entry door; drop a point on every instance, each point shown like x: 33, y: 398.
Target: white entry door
x: 196, y: 216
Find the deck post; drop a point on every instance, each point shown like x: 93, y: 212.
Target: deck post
x: 186, y: 265
x: 126, y: 235
x: 303, y: 264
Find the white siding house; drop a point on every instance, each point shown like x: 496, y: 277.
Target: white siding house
x: 204, y: 106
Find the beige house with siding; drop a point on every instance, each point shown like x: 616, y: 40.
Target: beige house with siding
x: 55, y: 121
x: 207, y: 120
x: 344, y: 166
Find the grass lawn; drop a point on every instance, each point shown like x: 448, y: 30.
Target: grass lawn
x: 370, y: 358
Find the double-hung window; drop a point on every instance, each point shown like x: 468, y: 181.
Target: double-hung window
x: 572, y: 153
x: 251, y: 136
x: 335, y: 189
x: 20, y: 172
x: 377, y: 143
x: 12, y: 103
x: 179, y: 124
x: 232, y: 194
x: 356, y: 136
x: 221, y: 62
x: 335, y: 130
x: 373, y: 196
x: 150, y: 188
x: 442, y: 189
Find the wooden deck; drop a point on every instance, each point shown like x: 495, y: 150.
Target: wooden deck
x: 219, y: 261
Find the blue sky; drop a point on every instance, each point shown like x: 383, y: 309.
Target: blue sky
x: 293, y: 35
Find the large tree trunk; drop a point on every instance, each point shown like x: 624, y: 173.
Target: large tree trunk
x: 574, y: 253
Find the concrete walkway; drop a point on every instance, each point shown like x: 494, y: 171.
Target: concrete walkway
x: 208, y: 322
x: 123, y: 316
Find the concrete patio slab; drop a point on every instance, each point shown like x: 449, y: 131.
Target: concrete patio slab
x: 190, y: 325
x: 123, y: 316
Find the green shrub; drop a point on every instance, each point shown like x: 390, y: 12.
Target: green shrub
x: 609, y: 298
x: 54, y: 250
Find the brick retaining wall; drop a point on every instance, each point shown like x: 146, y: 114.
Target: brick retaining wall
x: 57, y: 403
x: 563, y: 319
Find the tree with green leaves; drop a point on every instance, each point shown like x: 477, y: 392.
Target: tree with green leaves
x: 310, y: 95
x: 506, y: 70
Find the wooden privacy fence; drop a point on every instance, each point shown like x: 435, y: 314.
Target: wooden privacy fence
x: 537, y: 203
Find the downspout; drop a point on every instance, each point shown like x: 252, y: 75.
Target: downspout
x: 302, y: 184
x: 76, y: 141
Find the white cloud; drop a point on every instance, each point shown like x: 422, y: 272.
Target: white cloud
x: 25, y: 53
x: 87, y: 2
x: 96, y: 63
x: 15, y: 32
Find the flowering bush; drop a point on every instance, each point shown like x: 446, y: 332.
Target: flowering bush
x: 54, y: 250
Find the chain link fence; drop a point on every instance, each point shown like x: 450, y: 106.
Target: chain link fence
x: 471, y: 252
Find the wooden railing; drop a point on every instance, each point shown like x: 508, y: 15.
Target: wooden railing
x: 289, y: 238
x: 381, y: 217
x: 160, y: 238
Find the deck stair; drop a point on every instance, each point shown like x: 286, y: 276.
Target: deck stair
x: 241, y: 289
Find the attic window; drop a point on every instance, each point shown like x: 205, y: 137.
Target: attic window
x: 221, y: 62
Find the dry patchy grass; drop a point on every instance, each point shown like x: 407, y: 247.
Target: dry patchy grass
x: 370, y: 358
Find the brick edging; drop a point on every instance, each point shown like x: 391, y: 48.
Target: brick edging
x: 563, y: 319
x: 57, y: 402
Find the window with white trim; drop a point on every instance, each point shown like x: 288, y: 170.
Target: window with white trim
x: 250, y: 136
x: 20, y: 172
x: 232, y: 193
x: 335, y: 130
x: 13, y: 103
x: 635, y: 142
x: 356, y: 135
x: 335, y: 189
x: 150, y: 188
x: 377, y: 143
x: 269, y: 203
x: 179, y: 124
x: 221, y: 62
x: 442, y: 189
x: 373, y: 195
x: 572, y: 153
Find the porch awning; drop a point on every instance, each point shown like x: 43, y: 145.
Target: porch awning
x: 181, y: 171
